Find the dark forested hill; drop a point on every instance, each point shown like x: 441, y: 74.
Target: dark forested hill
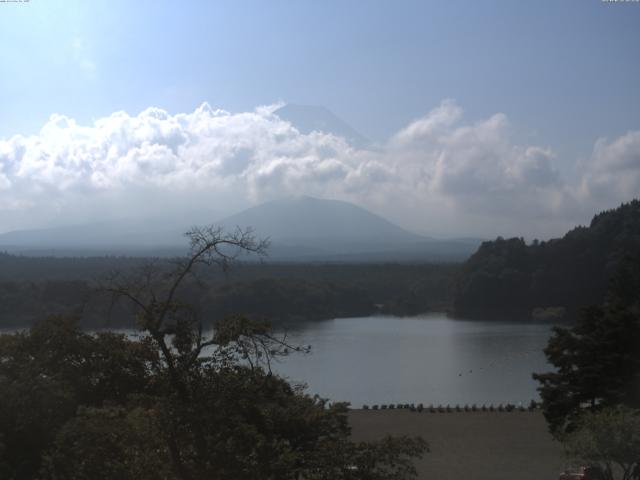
x: 509, y: 277
x: 31, y: 288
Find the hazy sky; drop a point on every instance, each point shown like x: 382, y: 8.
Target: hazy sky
x: 487, y: 117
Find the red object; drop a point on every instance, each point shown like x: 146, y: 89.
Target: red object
x: 571, y: 476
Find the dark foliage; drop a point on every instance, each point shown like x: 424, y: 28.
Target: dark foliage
x: 177, y: 403
x: 49, y: 372
x: 288, y: 300
x: 598, y: 360
x: 33, y: 288
x: 608, y: 441
x: 510, y: 278
x: 82, y: 406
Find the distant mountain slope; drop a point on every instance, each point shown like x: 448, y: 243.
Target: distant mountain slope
x: 307, y: 218
x: 309, y: 118
x: 100, y: 233
x: 304, y: 228
x: 300, y: 228
x: 120, y: 237
x: 508, y: 277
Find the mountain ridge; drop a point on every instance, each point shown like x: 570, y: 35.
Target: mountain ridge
x: 313, y: 217
x: 301, y: 228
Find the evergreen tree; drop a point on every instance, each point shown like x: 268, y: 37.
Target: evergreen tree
x: 598, y: 360
x: 510, y: 278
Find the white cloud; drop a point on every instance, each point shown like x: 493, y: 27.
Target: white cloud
x: 612, y: 174
x: 438, y: 174
x: 475, y: 170
x: 430, y: 126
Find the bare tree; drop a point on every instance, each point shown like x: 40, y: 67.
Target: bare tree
x: 153, y: 290
x: 208, y: 383
x: 176, y: 329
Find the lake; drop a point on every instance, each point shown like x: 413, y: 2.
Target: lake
x: 428, y: 359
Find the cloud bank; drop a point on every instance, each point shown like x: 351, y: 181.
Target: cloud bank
x: 439, y: 174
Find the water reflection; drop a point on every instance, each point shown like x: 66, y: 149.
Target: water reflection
x: 428, y: 359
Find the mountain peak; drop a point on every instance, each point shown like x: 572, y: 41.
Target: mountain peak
x: 306, y: 217
x: 301, y: 227
x: 310, y: 118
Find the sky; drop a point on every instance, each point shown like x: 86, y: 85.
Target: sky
x: 485, y: 118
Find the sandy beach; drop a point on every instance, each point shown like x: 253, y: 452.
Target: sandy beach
x: 473, y: 445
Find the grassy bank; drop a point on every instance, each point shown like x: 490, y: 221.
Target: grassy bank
x: 478, y: 445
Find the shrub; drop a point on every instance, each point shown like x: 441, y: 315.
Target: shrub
x: 607, y: 440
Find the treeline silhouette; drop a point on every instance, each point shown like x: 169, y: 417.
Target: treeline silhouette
x: 507, y: 277
x: 34, y: 288
x: 504, y: 278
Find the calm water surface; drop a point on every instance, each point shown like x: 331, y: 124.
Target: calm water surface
x: 428, y: 359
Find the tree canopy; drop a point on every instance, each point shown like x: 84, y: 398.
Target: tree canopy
x: 32, y: 288
x: 609, y: 442
x: 597, y: 361
x: 180, y: 402
x: 507, y: 277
